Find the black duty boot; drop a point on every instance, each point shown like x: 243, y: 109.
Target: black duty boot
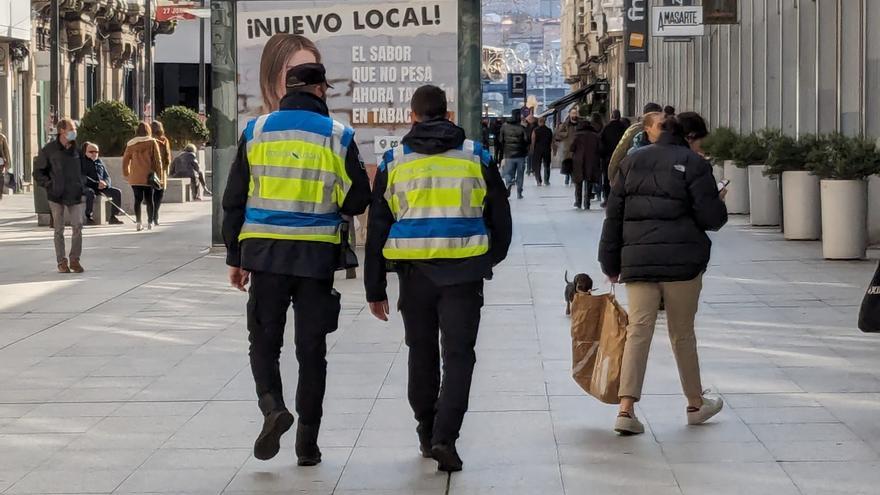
x: 276, y: 422
x: 425, y: 431
x: 447, y: 457
x: 307, y: 451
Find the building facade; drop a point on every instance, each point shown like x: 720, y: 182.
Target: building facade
x: 102, y: 58
x: 592, y: 48
x: 803, y: 66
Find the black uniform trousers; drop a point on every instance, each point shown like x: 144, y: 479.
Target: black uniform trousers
x: 316, y: 312
x: 451, y: 313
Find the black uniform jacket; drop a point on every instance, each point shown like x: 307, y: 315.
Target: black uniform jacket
x: 299, y: 258
x: 432, y: 138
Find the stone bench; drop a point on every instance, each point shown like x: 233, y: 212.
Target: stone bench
x: 177, y: 191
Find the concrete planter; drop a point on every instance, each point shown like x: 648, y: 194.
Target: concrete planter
x: 718, y: 172
x: 738, y: 191
x: 763, y: 197
x: 844, y: 219
x: 114, y: 168
x: 802, y: 215
x: 874, y: 210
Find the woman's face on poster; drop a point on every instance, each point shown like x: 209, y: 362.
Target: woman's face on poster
x: 298, y: 57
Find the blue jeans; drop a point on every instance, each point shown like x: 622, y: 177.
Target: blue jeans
x: 515, y: 168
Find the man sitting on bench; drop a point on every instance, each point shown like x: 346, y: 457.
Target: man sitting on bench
x: 98, y: 182
x: 186, y: 166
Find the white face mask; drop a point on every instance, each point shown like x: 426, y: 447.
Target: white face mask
x: 71, y: 135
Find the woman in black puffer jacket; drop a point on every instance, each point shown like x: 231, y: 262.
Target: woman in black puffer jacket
x: 662, y: 202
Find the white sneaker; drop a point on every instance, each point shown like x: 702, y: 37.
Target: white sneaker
x: 140, y: 227
x: 628, y: 425
x: 149, y: 226
x: 710, y: 407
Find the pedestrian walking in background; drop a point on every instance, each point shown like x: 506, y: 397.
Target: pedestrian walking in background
x: 652, y: 124
x: 58, y: 170
x: 98, y: 183
x: 562, y: 139
x: 541, y: 151
x: 286, y: 240
x: 186, y: 166
x: 654, y: 240
x: 586, y: 168
x: 142, y: 166
x: 530, y: 123
x: 165, y: 154
x: 597, y: 122
x: 515, y: 143
x: 497, y: 148
x: 442, y: 252
x: 669, y: 111
x: 5, y: 161
x: 609, y: 137
x: 625, y: 143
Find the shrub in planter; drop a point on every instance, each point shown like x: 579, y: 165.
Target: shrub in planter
x: 749, y: 150
x: 843, y: 163
x: 719, y: 144
x: 109, y: 124
x: 787, y: 154
x: 763, y: 192
x: 839, y: 157
x: 183, y: 126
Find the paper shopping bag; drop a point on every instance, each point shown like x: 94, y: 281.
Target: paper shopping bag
x: 598, y: 337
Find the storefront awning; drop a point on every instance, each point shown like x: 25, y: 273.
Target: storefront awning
x: 572, y: 97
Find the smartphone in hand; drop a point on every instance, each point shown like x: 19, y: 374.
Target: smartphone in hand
x: 722, y: 185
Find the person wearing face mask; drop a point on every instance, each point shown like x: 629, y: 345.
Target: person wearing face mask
x: 297, y: 173
x: 58, y: 170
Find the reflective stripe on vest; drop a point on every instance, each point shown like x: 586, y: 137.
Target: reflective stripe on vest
x: 298, y: 177
x: 437, y: 202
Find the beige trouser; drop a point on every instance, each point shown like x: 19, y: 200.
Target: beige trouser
x: 681, y: 300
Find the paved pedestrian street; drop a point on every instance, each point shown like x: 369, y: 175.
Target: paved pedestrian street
x: 133, y: 377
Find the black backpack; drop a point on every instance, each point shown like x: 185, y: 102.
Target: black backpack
x: 869, y: 315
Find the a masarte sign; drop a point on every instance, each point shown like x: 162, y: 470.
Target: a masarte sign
x: 377, y: 53
x: 677, y: 21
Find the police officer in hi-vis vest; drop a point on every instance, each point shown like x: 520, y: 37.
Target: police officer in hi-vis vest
x: 441, y: 219
x: 297, y: 172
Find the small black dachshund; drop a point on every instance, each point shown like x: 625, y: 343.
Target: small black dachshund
x: 581, y: 283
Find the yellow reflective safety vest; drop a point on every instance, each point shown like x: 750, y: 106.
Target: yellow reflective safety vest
x: 437, y: 202
x: 298, y: 178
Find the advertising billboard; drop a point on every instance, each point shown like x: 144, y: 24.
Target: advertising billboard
x: 635, y: 15
x: 377, y: 53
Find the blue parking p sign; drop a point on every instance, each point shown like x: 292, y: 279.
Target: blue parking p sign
x: 516, y: 85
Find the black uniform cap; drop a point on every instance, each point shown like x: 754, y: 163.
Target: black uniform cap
x: 306, y: 75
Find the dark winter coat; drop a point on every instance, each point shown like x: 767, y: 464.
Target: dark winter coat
x: 514, y: 140
x: 542, y: 142
x: 661, y: 205
x: 432, y: 138
x: 94, y: 171
x: 59, y: 171
x: 610, y: 136
x: 185, y: 166
x: 585, y: 159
